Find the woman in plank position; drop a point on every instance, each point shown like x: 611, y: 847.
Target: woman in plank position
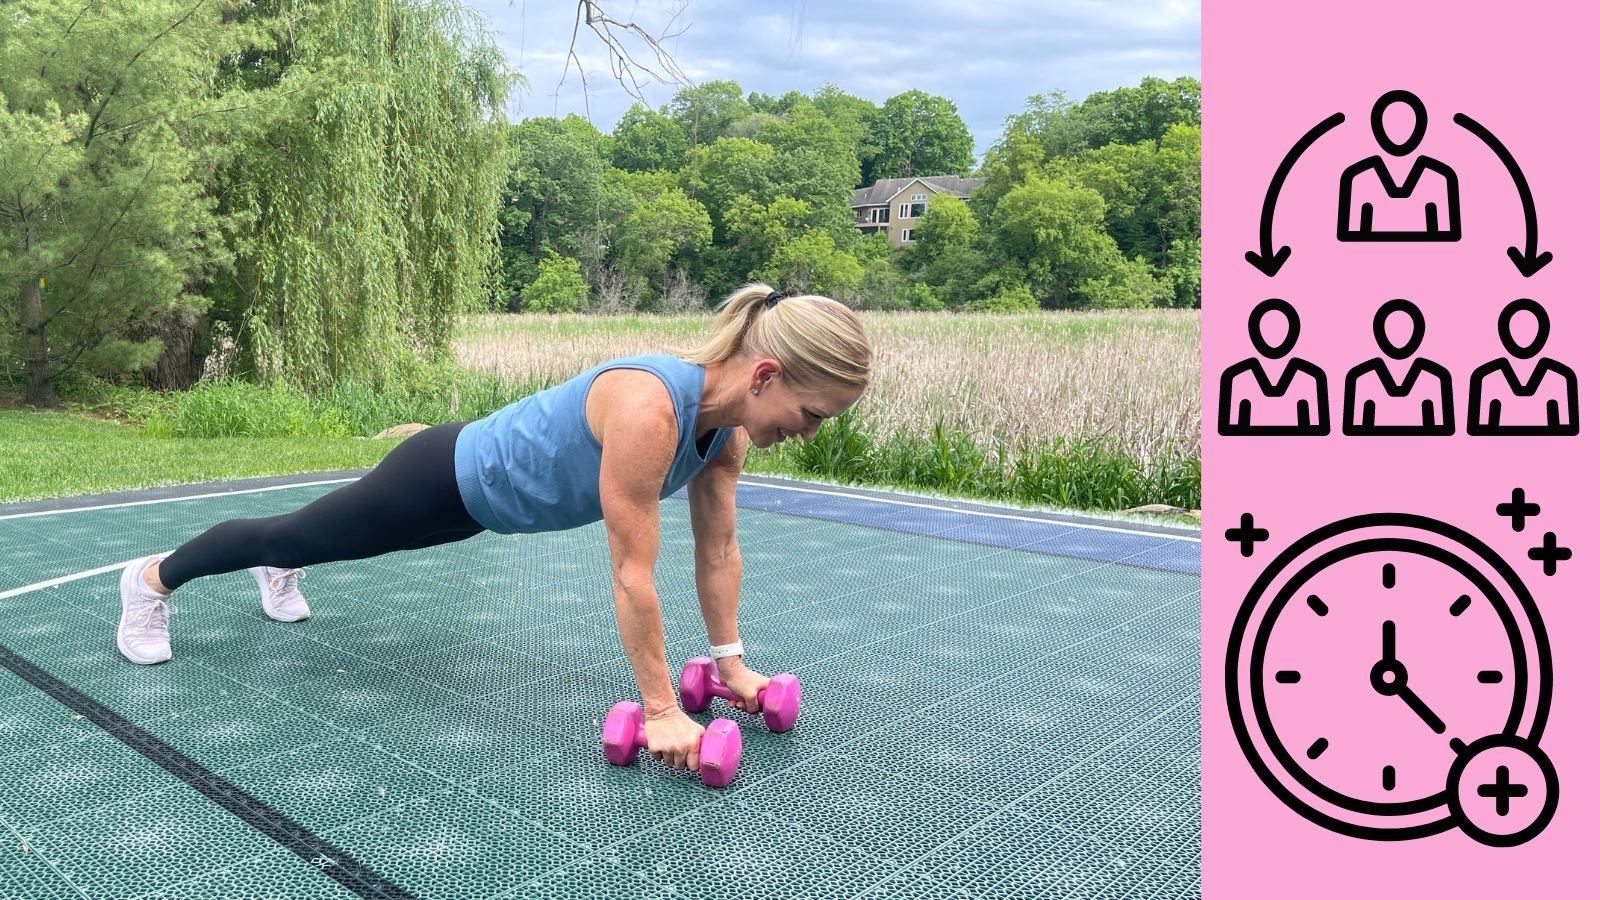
x: 608, y: 445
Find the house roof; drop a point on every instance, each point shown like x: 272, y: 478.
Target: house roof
x: 883, y: 190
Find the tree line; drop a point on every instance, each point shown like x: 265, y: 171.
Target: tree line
x: 311, y: 192
x: 1085, y: 204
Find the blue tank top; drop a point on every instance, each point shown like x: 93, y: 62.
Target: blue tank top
x: 535, y: 465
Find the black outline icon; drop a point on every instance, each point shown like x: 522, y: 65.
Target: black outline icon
x: 1403, y: 190
x: 1517, y: 509
x: 1446, y: 422
x: 1546, y: 769
x: 1247, y: 535
x: 1268, y: 260
x: 1528, y: 260
x: 1309, y: 422
x: 1480, y: 424
x: 1524, y: 641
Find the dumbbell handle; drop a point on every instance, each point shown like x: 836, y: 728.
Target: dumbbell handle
x: 720, y: 689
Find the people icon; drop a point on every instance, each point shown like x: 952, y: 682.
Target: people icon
x: 1252, y: 403
x: 1374, y: 206
x: 1418, y: 403
x: 1501, y: 403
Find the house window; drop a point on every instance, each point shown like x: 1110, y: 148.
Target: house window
x: 907, y: 235
x: 919, y: 197
x: 905, y: 210
x: 881, y: 214
x: 917, y: 209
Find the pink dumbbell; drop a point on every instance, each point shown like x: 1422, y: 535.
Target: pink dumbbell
x: 623, y: 738
x: 779, y: 700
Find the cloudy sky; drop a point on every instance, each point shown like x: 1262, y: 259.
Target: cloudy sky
x: 988, y: 56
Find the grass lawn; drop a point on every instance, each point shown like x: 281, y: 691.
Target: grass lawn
x: 63, y: 454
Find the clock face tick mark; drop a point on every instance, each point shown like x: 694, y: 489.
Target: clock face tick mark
x: 1317, y: 748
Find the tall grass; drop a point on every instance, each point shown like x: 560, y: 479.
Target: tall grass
x: 1090, y: 410
x: 1084, y: 410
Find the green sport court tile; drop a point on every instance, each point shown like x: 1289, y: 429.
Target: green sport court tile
x: 980, y: 719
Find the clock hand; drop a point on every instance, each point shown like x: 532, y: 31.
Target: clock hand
x: 1389, y: 678
x: 1421, y: 709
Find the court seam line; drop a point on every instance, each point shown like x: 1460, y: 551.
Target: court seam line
x: 267, y: 820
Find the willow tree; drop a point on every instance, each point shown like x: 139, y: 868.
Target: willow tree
x: 371, y: 198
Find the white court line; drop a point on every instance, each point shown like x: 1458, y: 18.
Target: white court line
x: 971, y: 512
x: 776, y: 487
x: 63, y: 579
x: 276, y: 487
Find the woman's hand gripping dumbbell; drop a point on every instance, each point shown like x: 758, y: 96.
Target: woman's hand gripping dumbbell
x: 778, y: 702
x: 717, y: 758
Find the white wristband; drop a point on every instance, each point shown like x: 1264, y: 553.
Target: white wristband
x: 718, y: 651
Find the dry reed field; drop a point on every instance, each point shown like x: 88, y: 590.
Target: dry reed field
x: 1130, y: 379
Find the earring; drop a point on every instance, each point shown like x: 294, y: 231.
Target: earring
x: 754, y: 392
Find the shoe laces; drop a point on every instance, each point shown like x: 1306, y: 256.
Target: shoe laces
x: 284, y: 581
x: 153, y: 615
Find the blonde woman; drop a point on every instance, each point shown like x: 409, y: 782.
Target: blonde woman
x: 608, y: 445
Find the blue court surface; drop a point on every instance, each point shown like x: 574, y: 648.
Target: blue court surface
x: 996, y: 704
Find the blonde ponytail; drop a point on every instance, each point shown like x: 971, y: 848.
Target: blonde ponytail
x: 816, y: 340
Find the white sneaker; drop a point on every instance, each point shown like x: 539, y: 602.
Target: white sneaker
x: 142, y: 632
x: 280, y: 593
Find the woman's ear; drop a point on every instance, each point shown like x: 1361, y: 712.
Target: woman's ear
x: 763, y: 372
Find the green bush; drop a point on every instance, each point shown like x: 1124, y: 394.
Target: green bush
x: 1012, y: 298
x: 918, y: 296
x: 559, y: 288
x: 240, y: 409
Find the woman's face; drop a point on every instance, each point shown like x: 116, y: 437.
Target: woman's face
x: 783, y: 410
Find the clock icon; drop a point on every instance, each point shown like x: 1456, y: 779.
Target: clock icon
x: 1388, y: 677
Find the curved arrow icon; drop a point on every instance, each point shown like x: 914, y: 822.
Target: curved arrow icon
x: 1268, y: 261
x: 1528, y: 259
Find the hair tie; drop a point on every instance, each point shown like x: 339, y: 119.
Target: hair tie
x: 773, y: 298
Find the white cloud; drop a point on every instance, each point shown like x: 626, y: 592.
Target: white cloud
x: 987, y: 56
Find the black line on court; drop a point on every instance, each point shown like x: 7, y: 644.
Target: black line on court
x: 299, y: 840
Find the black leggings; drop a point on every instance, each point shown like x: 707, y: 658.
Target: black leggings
x: 408, y: 502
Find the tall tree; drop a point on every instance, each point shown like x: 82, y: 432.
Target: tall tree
x: 373, y: 199
x: 647, y: 141
x: 920, y: 134
x: 853, y: 117
x: 109, y: 115
x: 706, y: 111
x: 814, y: 163
x: 552, y: 198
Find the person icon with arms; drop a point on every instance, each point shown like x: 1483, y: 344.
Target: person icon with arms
x: 1501, y: 403
x: 1417, y: 404
x: 1373, y: 206
x: 1253, y: 404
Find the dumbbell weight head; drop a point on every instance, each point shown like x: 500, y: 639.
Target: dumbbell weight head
x: 780, y: 702
x: 623, y: 734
